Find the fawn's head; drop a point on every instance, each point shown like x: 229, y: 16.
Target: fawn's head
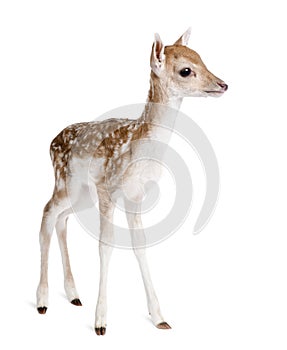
x: 182, y: 71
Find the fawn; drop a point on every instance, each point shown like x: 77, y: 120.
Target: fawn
x: 176, y: 72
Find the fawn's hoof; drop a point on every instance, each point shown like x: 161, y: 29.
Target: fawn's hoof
x: 76, y: 302
x: 42, y: 310
x: 100, y: 330
x: 163, y: 325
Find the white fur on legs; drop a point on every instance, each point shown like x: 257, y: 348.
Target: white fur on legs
x: 69, y: 284
x: 105, y: 251
x: 138, y: 241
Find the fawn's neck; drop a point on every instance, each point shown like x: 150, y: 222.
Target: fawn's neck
x: 161, y: 107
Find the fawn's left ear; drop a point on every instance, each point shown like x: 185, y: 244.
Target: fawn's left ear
x: 183, y: 40
x: 157, y: 57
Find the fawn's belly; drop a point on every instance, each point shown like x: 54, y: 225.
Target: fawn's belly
x: 125, y: 176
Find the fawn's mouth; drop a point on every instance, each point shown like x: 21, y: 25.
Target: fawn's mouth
x: 215, y: 92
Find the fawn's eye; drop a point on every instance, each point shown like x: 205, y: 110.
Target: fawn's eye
x: 185, y: 72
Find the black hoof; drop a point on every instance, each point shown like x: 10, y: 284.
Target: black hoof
x: 100, y: 330
x: 42, y: 310
x: 76, y: 302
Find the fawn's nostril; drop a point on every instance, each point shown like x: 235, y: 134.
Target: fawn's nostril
x: 223, y: 86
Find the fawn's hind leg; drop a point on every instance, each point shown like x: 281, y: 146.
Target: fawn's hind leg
x: 51, y: 211
x: 69, y: 284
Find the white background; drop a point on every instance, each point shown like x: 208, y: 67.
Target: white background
x: 68, y: 61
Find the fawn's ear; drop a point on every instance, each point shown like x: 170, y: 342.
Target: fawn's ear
x: 157, y: 57
x: 183, y: 40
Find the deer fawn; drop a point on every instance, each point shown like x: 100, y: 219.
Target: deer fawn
x: 176, y: 72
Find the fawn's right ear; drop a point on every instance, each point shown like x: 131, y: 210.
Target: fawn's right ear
x: 157, y: 57
x: 183, y: 40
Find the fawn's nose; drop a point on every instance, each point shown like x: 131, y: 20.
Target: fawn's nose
x: 223, y: 86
